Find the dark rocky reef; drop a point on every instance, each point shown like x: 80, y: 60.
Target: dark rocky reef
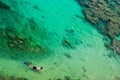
x: 67, y: 43
x: 21, y: 33
x: 3, y: 5
x: 16, y: 46
x: 71, y: 40
x: 65, y: 78
x: 105, y: 14
x: 16, y: 40
x: 68, y: 55
x: 11, y: 78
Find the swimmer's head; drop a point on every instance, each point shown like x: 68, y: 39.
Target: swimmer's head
x: 39, y: 68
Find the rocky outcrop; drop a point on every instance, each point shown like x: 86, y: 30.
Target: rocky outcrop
x: 105, y: 14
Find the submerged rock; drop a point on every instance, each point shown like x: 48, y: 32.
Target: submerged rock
x: 16, y: 40
x: 11, y: 78
x: 67, y: 43
x: 100, y: 12
x: 67, y: 78
x: 21, y: 33
x: 4, y: 5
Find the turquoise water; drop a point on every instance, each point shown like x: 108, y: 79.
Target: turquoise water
x: 84, y: 57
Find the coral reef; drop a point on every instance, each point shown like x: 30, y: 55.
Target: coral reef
x: 105, y: 14
x: 16, y: 40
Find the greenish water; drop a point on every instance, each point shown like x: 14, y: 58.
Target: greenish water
x: 85, y: 58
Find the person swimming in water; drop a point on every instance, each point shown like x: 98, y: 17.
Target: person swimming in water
x: 33, y: 67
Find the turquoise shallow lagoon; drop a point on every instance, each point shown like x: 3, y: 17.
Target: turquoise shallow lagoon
x: 76, y: 48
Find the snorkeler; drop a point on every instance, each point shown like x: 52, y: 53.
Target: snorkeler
x: 33, y: 67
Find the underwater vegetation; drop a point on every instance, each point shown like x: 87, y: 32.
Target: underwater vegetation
x: 105, y: 15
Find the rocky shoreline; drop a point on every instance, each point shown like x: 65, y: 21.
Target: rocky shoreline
x: 105, y: 15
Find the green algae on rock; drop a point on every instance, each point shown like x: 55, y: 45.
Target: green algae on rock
x: 100, y: 12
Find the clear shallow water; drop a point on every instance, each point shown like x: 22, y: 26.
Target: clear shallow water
x: 88, y: 59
